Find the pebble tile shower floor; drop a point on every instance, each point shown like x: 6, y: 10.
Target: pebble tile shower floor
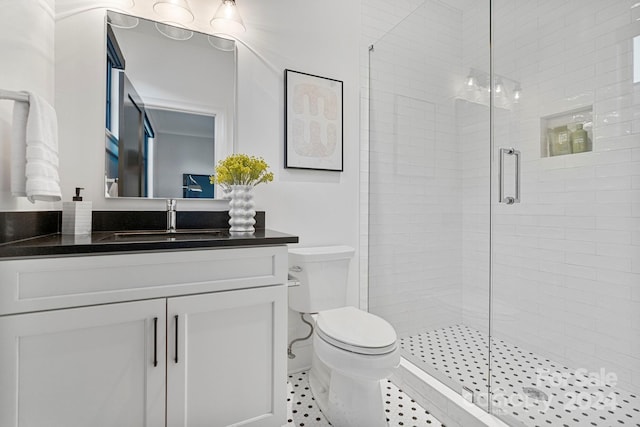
x: 519, y: 377
x: 401, y: 410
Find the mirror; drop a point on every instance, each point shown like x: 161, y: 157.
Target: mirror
x: 170, y: 101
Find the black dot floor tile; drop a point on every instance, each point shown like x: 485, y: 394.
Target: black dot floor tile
x: 461, y: 353
x: 400, y: 409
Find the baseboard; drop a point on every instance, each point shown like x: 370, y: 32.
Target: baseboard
x: 302, y: 361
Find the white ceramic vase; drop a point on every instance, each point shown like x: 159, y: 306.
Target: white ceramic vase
x: 241, y: 209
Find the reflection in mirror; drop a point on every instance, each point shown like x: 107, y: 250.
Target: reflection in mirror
x: 170, y: 95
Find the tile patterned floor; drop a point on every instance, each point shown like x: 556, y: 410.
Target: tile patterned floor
x: 401, y: 409
x: 527, y: 386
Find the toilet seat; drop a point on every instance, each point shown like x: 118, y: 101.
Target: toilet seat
x: 357, y: 331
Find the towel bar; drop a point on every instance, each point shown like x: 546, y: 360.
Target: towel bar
x: 14, y: 96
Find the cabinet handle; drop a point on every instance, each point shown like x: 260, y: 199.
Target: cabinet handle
x: 155, y: 341
x: 176, y: 343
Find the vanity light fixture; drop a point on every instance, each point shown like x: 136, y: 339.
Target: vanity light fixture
x: 227, y: 20
x: 174, y: 11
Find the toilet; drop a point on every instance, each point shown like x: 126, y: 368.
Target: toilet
x: 352, y: 350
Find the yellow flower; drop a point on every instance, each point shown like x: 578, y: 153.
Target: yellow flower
x: 240, y: 169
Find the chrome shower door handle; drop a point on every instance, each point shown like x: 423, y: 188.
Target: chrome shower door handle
x: 518, y: 169
x: 501, y: 197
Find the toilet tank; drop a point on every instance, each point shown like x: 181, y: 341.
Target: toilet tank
x: 322, y: 272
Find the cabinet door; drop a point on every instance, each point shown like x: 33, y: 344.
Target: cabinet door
x: 227, y: 363
x: 91, y: 366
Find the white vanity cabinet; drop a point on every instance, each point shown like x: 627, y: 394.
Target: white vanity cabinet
x: 187, y: 338
x: 89, y: 366
x: 221, y: 371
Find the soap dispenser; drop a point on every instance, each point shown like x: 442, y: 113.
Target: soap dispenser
x: 76, y: 216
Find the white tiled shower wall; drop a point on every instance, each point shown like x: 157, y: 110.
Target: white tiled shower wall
x: 567, y: 259
x: 415, y: 208
x: 377, y: 18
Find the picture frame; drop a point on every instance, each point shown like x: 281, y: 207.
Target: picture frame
x: 313, y: 122
x: 196, y: 186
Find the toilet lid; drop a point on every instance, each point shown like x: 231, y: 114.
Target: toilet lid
x: 355, y: 330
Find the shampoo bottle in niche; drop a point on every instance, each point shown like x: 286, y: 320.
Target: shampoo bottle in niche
x: 76, y: 216
x: 579, y: 139
x: 560, y: 141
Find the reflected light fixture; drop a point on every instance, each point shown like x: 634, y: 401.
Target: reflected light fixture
x: 227, y: 20
x: 517, y: 93
x: 477, y: 88
x: 471, y: 81
x: 221, y: 43
x: 174, y: 31
x: 120, y: 20
x: 500, y: 97
x: 174, y: 11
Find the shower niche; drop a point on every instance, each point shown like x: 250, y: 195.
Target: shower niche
x: 568, y: 132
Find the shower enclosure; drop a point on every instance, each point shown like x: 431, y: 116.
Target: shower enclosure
x: 504, y: 203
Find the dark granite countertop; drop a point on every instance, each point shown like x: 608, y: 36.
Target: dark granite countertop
x: 37, y: 234
x: 110, y: 242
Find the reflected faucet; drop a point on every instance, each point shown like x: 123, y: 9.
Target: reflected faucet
x: 171, y: 215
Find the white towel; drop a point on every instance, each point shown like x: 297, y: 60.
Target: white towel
x: 18, y: 149
x: 41, y: 152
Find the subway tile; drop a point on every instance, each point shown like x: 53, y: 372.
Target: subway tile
x: 618, y: 250
x: 600, y: 261
x: 578, y: 228
x: 579, y: 271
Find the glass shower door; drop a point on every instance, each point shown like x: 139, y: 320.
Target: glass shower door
x: 429, y: 186
x: 565, y: 264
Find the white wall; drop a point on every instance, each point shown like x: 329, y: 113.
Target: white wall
x: 309, y: 36
x: 304, y: 35
x: 27, y: 64
x: 284, y: 34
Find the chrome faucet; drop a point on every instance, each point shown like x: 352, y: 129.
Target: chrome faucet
x: 171, y: 215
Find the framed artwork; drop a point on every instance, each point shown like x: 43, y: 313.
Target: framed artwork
x: 313, y: 122
x: 196, y: 186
